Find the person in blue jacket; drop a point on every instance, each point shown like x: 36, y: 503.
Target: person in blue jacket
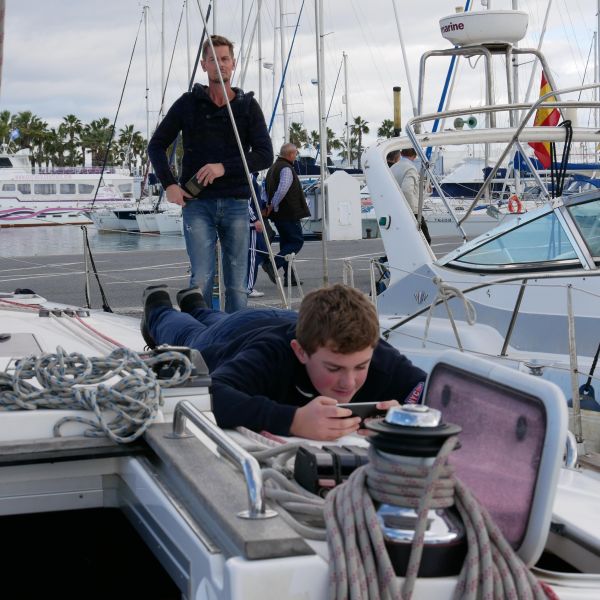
x: 285, y: 372
x: 212, y: 165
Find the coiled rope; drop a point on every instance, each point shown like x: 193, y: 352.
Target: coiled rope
x: 360, y: 566
x: 123, y: 410
x: 447, y: 292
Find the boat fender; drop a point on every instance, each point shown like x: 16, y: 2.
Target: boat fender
x: 514, y: 204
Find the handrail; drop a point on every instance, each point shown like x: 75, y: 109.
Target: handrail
x: 529, y: 107
x: 500, y: 280
x: 250, y: 467
x: 571, y: 454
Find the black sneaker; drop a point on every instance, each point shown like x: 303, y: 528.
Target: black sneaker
x: 268, y: 269
x: 154, y: 296
x: 295, y: 282
x: 190, y: 298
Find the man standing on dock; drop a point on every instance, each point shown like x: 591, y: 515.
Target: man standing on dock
x: 213, y: 190
x: 286, y: 205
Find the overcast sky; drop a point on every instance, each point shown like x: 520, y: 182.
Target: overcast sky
x: 72, y: 56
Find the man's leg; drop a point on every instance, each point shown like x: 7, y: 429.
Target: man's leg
x: 200, y: 232
x: 232, y: 225
x: 291, y: 241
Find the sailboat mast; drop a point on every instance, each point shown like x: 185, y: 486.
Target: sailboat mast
x: 347, y: 102
x: 162, y: 62
x: 260, y: 56
x: 286, y: 128
x: 322, y: 129
x: 146, y: 8
x: 597, y: 111
x: 2, y: 13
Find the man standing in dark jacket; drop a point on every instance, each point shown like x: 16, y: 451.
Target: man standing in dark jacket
x: 286, y: 206
x: 212, y: 156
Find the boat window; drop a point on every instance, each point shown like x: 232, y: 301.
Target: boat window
x: 67, y: 188
x: 9, y: 187
x: 542, y: 240
x: 45, y: 189
x: 5, y: 163
x: 24, y: 188
x: 587, y: 220
x: 86, y: 188
x: 125, y: 187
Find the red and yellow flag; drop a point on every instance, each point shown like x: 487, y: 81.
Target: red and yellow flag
x: 545, y: 117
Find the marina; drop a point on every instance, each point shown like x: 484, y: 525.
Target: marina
x: 475, y: 477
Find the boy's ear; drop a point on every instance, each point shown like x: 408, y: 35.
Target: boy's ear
x: 299, y: 351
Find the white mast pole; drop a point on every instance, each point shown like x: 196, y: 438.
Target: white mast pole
x: 405, y: 59
x: 322, y: 129
x: 214, y: 16
x: 2, y: 13
x: 273, y: 96
x: 146, y: 8
x: 597, y: 92
x: 539, y: 48
x: 187, y: 40
x: 162, y: 61
x: 260, y: 57
x: 347, y: 102
x: 286, y: 128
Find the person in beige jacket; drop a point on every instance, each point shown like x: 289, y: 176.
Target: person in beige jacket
x: 407, y: 176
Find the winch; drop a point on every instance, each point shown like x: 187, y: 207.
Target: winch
x: 410, y: 436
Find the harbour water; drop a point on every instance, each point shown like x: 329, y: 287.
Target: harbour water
x: 68, y: 239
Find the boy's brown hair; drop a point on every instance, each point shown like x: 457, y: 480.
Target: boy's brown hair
x: 217, y: 40
x: 338, y: 317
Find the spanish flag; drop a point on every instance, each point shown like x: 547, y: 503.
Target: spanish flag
x: 545, y: 117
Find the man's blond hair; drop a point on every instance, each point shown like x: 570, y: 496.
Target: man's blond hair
x: 340, y: 318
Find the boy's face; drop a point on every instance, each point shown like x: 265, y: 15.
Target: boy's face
x: 335, y: 375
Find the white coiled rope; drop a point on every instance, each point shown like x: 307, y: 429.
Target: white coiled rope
x: 360, y: 566
x: 123, y: 410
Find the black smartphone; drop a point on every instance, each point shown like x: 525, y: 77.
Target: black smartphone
x: 363, y: 409
x: 193, y: 186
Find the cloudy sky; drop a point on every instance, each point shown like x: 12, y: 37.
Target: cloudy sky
x: 72, y: 56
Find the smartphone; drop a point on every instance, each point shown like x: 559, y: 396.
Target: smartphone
x: 193, y: 186
x: 363, y: 409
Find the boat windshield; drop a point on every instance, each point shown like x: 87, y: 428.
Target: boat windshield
x: 587, y: 218
x: 534, y: 243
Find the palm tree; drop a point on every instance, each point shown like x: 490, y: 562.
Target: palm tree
x: 298, y: 135
x: 313, y: 139
x: 96, y: 137
x: 387, y: 129
x: 69, y: 131
x: 358, y: 128
x: 5, y: 118
x: 353, y: 148
x: 32, y: 132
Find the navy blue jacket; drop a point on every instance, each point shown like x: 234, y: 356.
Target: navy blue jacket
x: 208, y: 137
x: 258, y: 382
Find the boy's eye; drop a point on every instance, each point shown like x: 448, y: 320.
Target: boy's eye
x: 333, y: 369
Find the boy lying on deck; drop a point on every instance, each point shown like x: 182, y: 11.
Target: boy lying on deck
x: 285, y: 372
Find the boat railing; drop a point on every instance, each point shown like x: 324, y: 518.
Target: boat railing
x: 250, y: 467
x: 530, y: 108
x: 80, y: 171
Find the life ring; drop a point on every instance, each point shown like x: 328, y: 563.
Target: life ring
x: 514, y: 204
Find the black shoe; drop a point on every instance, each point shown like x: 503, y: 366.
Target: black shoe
x: 154, y: 296
x: 295, y: 282
x: 190, y: 298
x: 268, y: 269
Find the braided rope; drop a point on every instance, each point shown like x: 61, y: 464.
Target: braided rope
x: 123, y: 410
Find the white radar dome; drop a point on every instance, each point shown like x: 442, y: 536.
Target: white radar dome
x: 485, y: 27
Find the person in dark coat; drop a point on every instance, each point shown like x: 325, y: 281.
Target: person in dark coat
x: 213, y: 190
x: 286, y: 205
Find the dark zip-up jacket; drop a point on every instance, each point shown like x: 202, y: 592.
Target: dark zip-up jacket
x: 257, y: 381
x: 208, y: 137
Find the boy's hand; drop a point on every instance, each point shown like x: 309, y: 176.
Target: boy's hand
x: 383, y: 405
x: 321, y: 419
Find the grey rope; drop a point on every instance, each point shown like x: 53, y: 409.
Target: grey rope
x: 123, y: 410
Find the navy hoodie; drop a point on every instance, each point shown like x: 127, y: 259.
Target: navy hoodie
x: 208, y: 137
x: 257, y: 381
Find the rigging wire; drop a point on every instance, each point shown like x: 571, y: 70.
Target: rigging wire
x: 112, y: 130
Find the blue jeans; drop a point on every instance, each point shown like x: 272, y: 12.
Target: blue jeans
x: 204, y: 327
x: 291, y: 240
x: 226, y: 218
